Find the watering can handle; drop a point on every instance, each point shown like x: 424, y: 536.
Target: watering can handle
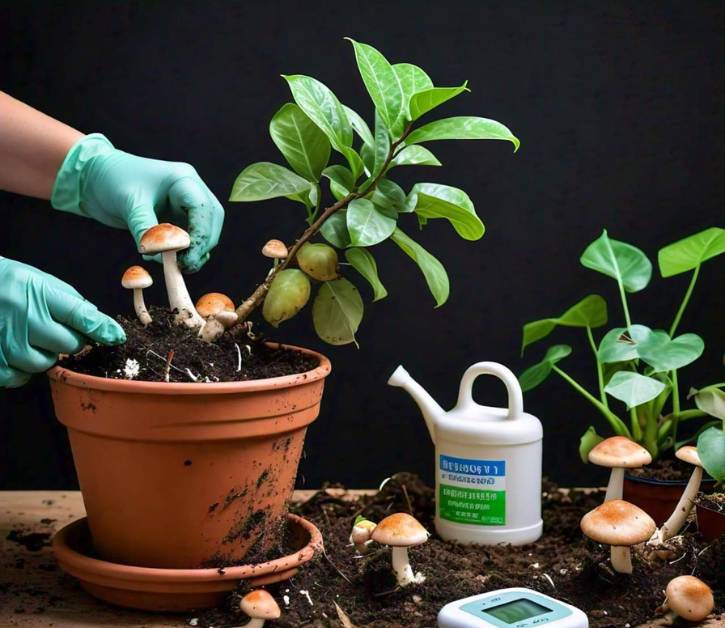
x: 515, y: 397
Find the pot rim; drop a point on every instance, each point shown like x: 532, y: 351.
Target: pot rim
x: 656, y: 482
x: 81, y: 380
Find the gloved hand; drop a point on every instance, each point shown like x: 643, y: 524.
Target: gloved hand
x: 40, y: 317
x: 128, y: 192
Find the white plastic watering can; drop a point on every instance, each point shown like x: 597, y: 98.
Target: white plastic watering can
x: 488, y: 462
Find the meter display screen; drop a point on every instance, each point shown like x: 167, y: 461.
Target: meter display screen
x: 511, y: 612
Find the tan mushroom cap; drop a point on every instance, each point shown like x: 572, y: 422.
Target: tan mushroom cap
x: 136, y: 277
x: 163, y: 237
x: 619, y: 523
x: 400, y: 530
x: 213, y: 303
x: 259, y: 604
x: 619, y: 451
x: 275, y: 249
x: 689, y: 454
x: 689, y: 597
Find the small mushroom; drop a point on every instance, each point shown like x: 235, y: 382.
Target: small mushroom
x: 679, y: 515
x: 218, y: 311
x: 689, y: 598
x: 136, y: 278
x: 618, y: 453
x: 167, y: 239
x: 361, y: 534
x: 259, y: 606
x: 619, y: 524
x: 401, y: 531
x: 275, y: 249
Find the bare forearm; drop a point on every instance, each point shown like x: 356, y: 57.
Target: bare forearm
x: 32, y: 148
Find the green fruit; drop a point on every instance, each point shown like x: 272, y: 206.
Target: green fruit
x: 288, y: 294
x: 319, y: 261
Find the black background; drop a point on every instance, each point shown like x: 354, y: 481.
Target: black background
x: 619, y: 110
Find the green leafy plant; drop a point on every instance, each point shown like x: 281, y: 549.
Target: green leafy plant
x: 711, y: 441
x: 368, y: 206
x: 636, y: 365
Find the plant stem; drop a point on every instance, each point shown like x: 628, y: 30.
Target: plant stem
x: 257, y: 297
x: 617, y: 425
x: 634, y: 421
x: 623, y: 296
x: 600, y: 375
x: 675, y: 405
x: 685, y: 415
x: 685, y: 300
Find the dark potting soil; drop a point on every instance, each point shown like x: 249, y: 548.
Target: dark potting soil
x: 563, y: 563
x: 664, y: 469
x: 166, y: 347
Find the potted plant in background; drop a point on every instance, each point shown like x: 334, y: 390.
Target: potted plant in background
x: 635, y: 365
x: 182, y: 465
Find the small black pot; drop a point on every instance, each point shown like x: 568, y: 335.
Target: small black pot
x: 658, y: 498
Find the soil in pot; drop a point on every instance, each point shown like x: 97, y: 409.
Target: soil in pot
x: 711, y: 515
x: 562, y: 563
x: 189, y: 358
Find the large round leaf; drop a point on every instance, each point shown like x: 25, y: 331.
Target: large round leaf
x: 633, y: 389
x: 689, y: 253
x: 619, y: 260
x: 663, y: 354
x: 621, y: 344
x: 366, y: 224
x: 711, y: 449
x: 337, y: 312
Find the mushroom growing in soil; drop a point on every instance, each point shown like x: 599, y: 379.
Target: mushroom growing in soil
x: 136, y: 278
x: 218, y: 311
x: 401, y: 531
x: 361, y: 535
x: 259, y: 606
x: 618, y: 453
x: 167, y: 239
x: 689, y: 598
x: 679, y: 515
x: 619, y: 524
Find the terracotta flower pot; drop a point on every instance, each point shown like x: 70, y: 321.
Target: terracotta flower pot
x: 710, y: 522
x: 657, y: 498
x: 186, y: 475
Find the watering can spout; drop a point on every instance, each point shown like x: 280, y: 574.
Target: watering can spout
x: 428, y: 406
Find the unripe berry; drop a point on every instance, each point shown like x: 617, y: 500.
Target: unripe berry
x: 319, y: 261
x: 288, y: 294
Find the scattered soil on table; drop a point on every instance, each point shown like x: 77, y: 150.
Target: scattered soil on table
x: 563, y: 563
x: 31, y: 541
x: 229, y: 359
x: 665, y: 470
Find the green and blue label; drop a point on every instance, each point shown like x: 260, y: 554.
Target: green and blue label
x: 472, y: 491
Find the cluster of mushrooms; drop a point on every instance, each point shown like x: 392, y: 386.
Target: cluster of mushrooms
x: 621, y: 525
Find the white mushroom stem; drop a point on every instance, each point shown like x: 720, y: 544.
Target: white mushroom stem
x: 679, y: 515
x: 140, y: 306
x: 179, y: 298
x: 254, y: 623
x: 401, y: 566
x: 616, y: 484
x: 212, y: 330
x: 621, y: 559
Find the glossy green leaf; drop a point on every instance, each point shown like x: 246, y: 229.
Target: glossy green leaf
x: 711, y: 400
x: 588, y: 441
x: 463, y: 128
x: 619, y: 260
x: 538, y: 373
x: 304, y: 146
x: 322, y: 107
x: 366, y: 224
x: 424, y: 101
x: 435, y: 274
x: 389, y: 195
x: 633, y: 389
x: 663, y: 354
x: 689, y: 253
x: 434, y: 200
x: 341, y: 180
x: 354, y: 161
x: 309, y: 197
x: 412, y: 79
x: 334, y: 229
x: 264, y: 180
x: 361, y: 127
x: 381, y: 148
x: 621, y: 344
x: 337, y: 311
x: 590, y: 312
x: 711, y: 449
x: 381, y: 82
x: 415, y: 155
x: 363, y: 262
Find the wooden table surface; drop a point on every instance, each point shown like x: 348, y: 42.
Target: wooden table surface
x: 35, y: 592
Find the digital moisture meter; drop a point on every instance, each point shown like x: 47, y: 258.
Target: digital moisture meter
x: 510, y: 608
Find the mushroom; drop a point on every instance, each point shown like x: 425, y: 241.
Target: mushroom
x: 689, y: 598
x: 260, y: 606
x: 275, y: 249
x: 619, y: 524
x: 136, y: 278
x: 679, y: 515
x: 218, y: 311
x: 361, y: 534
x: 618, y: 453
x: 167, y: 239
x: 401, y: 531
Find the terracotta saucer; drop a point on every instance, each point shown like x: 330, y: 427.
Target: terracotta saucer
x: 174, y: 589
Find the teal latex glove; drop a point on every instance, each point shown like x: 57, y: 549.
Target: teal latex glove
x: 40, y: 317
x: 129, y: 192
